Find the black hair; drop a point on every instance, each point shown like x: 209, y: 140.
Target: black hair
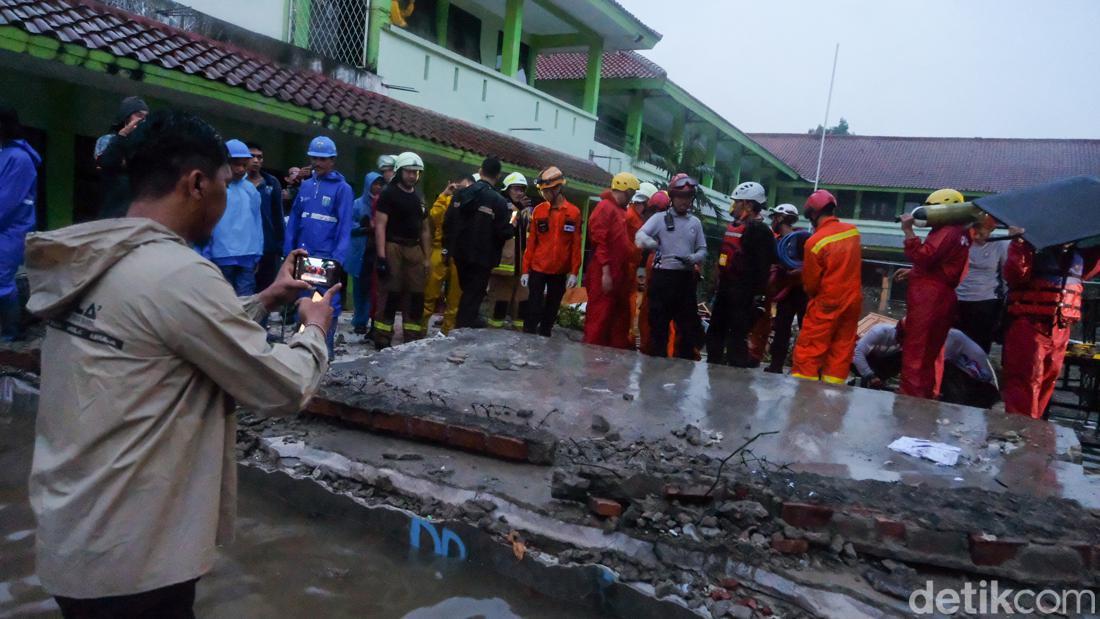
x: 254, y: 146
x: 469, y: 178
x: 10, y: 129
x: 490, y: 167
x: 167, y: 145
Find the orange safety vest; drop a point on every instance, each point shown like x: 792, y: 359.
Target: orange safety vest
x: 1053, y: 291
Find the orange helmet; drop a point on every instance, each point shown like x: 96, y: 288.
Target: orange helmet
x: 817, y: 201
x: 660, y: 200
x: 682, y: 185
x: 550, y: 177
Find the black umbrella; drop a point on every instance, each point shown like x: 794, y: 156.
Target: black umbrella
x: 1055, y: 213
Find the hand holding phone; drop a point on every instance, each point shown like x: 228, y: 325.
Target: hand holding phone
x: 321, y: 272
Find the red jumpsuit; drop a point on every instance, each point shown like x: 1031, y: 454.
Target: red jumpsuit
x: 831, y: 277
x: 1044, y: 300
x: 634, y: 223
x: 939, y: 264
x: 607, y: 320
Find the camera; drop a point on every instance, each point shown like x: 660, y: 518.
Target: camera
x: 322, y: 272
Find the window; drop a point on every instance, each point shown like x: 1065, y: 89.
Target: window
x: 422, y: 21
x: 878, y: 205
x: 484, y: 89
x: 464, y: 34
x: 454, y: 86
x: 537, y: 110
x: 557, y: 113
x: 427, y: 65
x: 846, y: 203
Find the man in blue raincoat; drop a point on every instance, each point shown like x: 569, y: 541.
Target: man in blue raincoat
x: 238, y: 239
x: 18, y: 191
x: 360, y: 263
x: 321, y: 219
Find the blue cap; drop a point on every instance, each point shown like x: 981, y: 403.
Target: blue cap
x: 237, y: 149
x: 321, y: 146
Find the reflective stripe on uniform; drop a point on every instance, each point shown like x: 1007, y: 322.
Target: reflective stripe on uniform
x: 804, y: 377
x: 832, y: 238
x: 495, y: 323
x: 833, y: 380
x: 321, y: 217
x: 413, y: 327
x: 383, y: 326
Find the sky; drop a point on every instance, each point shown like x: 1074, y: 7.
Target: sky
x: 951, y: 68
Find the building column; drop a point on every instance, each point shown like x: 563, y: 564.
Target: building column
x: 859, y: 205
x: 60, y: 159
x: 772, y: 186
x: 442, y: 18
x: 592, y: 78
x: 735, y: 169
x: 899, y: 209
x: 532, y: 65
x: 634, y: 117
x: 377, y: 20
x: 301, y: 23
x: 513, y: 29
x: 712, y: 158
x: 679, y: 124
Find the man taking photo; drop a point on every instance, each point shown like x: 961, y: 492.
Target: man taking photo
x: 134, y: 475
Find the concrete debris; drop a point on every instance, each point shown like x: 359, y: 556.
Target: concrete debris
x: 599, y: 424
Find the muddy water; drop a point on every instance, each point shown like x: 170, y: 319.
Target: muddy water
x: 286, y: 562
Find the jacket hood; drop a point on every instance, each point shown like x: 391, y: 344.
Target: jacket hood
x: 62, y: 264
x: 331, y: 177
x: 22, y: 144
x: 368, y: 180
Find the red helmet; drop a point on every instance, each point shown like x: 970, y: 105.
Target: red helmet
x: 660, y: 200
x: 682, y: 184
x: 817, y: 201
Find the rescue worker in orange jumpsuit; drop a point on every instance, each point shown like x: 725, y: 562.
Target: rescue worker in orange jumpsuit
x: 939, y: 264
x: 831, y: 279
x: 609, y: 281
x: 635, y: 217
x: 657, y: 203
x: 1044, y: 300
x: 553, y: 255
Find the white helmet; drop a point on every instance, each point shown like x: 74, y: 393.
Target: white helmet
x: 385, y: 161
x: 750, y: 191
x: 408, y: 160
x: 515, y: 178
x: 477, y: 177
x: 645, y: 192
x: 788, y: 210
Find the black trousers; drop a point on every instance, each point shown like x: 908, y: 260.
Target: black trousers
x: 731, y: 320
x: 474, y: 280
x: 543, y: 301
x: 171, y: 602
x: 267, y: 270
x: 979, y: 320
x: 786, y: 310
x: 672, y: 298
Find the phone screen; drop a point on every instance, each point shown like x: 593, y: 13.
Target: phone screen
x: 317, y: 271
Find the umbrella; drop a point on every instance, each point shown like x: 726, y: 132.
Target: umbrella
x: 1055, y: 213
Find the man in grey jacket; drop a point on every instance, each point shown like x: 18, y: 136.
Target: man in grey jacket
x: 134, y: 477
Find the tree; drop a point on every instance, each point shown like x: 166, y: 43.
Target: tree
x: 841, y: 128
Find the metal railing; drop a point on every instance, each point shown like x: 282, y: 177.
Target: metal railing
x: 336, y: 29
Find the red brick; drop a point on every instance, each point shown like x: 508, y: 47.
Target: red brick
x: 806, y: 515
x: 507, y: 448
x: 719, y: 593
x: 890, y: 529
x: 729, y: 583
x: 385, y: 422
x: 428, y: 430
x: 791, y: 546
x: 320, y: 406
x: 605, y: 507
x: 740, y: 491
x: 989, y: 550
x: 466, y: 438
x: 688, y: 494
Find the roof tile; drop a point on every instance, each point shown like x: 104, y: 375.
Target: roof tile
x: 616, y: 65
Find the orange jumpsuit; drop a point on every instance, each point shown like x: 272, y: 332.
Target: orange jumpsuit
x: 633, y: 224
x: 831, y: 278
x: 607, y: 319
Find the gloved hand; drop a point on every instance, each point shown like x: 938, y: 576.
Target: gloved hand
x: 382, y: 267
x: 523, y: 280
x: 571, y: 281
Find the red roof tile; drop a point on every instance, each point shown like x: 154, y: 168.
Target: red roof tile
x: 616, y: 65
x: 966, y: 164
x: 93, y: 25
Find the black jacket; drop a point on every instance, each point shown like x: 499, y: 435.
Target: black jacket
x: 758, y: 254
x: 476, y: 228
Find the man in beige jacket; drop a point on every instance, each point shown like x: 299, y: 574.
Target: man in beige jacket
x: 133, y: 481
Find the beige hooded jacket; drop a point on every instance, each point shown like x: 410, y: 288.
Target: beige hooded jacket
x: 134, y: 480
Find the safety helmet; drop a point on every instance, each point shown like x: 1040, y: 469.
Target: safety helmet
x: 625, y: 181
x: 385, y: 161
x: 321, y: 146
x: 237, y: 149
x: 408, y: 160
x: 645, y: 192
x: 681, y: 185
x: 477, y: 177
x: 945, y: 196
x: 550, y: 177
x: 817, y: 201
x: 515, y: 178
x: 753, y: 192
x: 785, y: 210
x: 660, y: 201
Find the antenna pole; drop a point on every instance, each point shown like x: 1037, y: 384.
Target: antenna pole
x: 828, y: 104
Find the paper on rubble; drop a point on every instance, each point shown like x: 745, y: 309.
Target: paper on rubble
x: 940, y: 453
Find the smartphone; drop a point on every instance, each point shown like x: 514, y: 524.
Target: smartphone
x: 323, y: 272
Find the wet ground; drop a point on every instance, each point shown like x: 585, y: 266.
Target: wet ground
x: 286, y: 561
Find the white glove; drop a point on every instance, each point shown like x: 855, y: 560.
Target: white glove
x: 571, y: 281
x: 523, y: 280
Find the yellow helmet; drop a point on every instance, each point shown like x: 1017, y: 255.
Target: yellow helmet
x: 945, y: 196
x: 625, y: 181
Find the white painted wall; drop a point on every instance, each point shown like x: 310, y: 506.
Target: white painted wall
x: 408, y: 61
x: 266, y: 17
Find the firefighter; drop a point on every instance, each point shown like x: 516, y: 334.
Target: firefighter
x: 679, y: 245
x: 939, y: 264
x: 1044, y: 300
x: 404, y: 245
x: 635, y: 217
x: 831, y: 279
x: 658, y: 203
x: 385, y: 167
x: 748, y: 251
x: 787, y: 292
x: 608, y: 280
x: 442, y: 273
x: 507, y: 299
x: 553, y: 255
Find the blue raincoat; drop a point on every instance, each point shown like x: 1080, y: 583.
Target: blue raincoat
x: 18, y: 192
x: 321, y: 219
x: 238, y: 238
x: 362, y: 207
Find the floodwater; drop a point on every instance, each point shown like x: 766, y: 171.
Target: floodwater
x: 285, y: 562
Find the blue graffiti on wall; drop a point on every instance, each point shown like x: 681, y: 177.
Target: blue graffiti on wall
x: 441, y: 545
